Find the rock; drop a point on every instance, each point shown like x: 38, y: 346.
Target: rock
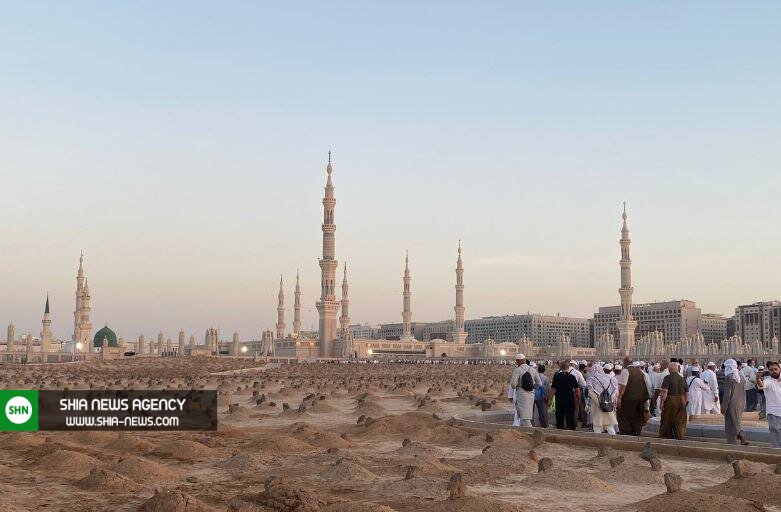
x: 485, y: 406
x: 361, y: 419
x: 173, y: 501
x: 285, y: 406
x: 656, y: 464
x: 731, y: 458
x: 778, y: 468
x: 616, y: 461
x: 369, y: 421
x: 545, y: 464
x: 533, y: 455
x: 489, y: 438
x: 648, y: 452
x: 410, y: 472
x: 486, y: 448
x: 193, y: 479
x: 538, y: 437
x: 741, y: 469
x: 606, y: 451
x: 435, y: 416
x: 405, y: 442
x: 456, y: 486
x: 283, y: 497
x: 332, y: 449
x: 673, y: 482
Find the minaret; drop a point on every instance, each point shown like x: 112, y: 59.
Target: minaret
x: 406, y: 314
x: 344, y: 320
x: 46, y: 331
x: 459, y: 334
x: 160, y: 343
x: 626, y: 323
x: 143, y: 348
x: 11, y: 333
x: 180, y: 348
x: 281, y: 312
x: 235, y: 346
x: 82, y: 327
x: 297, y: 309
x: 328, y: 305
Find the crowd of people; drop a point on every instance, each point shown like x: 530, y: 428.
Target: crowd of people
x: 621, y: 397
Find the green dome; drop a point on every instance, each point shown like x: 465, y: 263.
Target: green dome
x: 106, y: 333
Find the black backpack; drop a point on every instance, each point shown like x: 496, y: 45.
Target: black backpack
x: 527, y: 382
x: 606, y: 401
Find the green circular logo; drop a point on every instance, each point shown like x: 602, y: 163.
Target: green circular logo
x: 18, y: 410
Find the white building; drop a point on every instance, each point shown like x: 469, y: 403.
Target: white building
x: 543, y: 330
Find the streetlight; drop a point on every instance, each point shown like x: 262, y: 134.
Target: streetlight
x: 370, y: 352
x: 503, y: 352
x: 244, y: 349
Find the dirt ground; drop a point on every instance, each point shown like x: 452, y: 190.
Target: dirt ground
x: 329, y: 437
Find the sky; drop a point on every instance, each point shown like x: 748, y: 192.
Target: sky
x: 182, y: 146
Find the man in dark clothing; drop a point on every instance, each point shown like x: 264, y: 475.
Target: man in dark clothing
x: 634, y: 390
x: 674, y: 398
x: 563, y: 387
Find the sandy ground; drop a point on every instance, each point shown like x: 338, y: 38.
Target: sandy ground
x: 333, y: 438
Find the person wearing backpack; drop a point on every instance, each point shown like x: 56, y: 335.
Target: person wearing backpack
x: 524, y: 380
x: 602, y: 396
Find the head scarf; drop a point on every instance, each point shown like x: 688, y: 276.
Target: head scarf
x: 597, y: 378
x: 731, y: 368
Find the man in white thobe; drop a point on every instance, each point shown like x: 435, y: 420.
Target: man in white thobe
x: 524, y: 399
x: 710, y: 399
x: 696, y: 389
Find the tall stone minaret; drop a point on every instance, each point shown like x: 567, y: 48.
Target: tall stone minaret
x: 235, y: 351
x: 180, y: 348
x: 11, y: 333
x: 297, y: 309
x: 160, y: 343
x: 406, y: 314
x: 626, y: 323
x: 344, y: 319
x: 46, y: 329
x: 459, y: 334
x: 328, y: 305
x: 281, y: 312
x: 82, y: 326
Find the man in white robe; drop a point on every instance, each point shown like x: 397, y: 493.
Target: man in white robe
x: 696, y: 388
x: 524, y: 399
x: 710, y: 399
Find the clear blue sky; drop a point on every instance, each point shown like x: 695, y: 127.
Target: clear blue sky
x: 182, y: 145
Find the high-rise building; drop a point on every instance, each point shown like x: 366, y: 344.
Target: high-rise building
x: 713, y: 327
x: 677, y: 319
x: 760, y: 321
x: 543, y: 330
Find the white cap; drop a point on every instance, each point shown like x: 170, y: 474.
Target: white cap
x: 573, y: 362
x: 696, y: 369
x: 608, y: 366
x: 657, y: 366
x: 618, y: 367
x: 533, y: 364
x: 711, y: 363
x: 636, y: 364
x: 761, y: 368
x: 519, y: 356
x: 583, y: 361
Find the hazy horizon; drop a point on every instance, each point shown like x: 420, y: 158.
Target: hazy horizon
x: 183, y: 148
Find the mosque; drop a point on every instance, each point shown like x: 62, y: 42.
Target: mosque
x: 333, y: 341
